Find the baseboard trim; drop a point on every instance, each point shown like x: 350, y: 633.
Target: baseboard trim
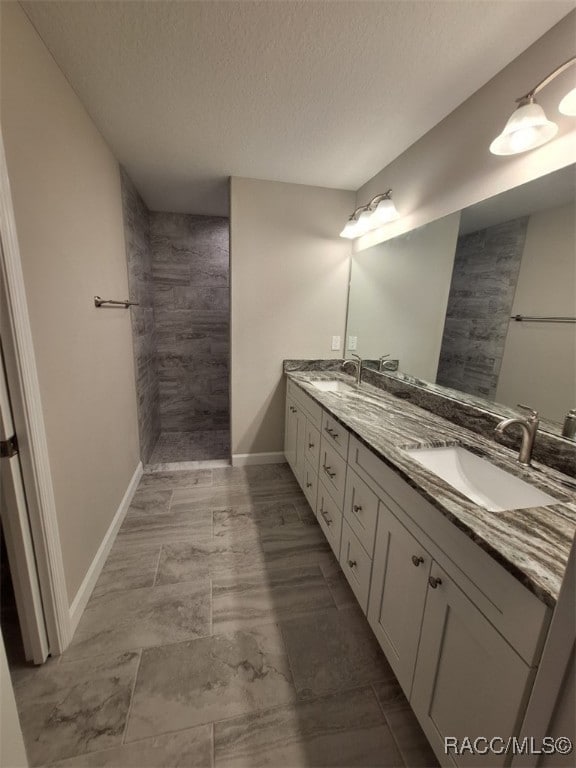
x: 244, y: 459
x: 89, y: 582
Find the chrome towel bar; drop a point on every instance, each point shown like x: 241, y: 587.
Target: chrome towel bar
x: 533, y: 319
x: 111, y: 303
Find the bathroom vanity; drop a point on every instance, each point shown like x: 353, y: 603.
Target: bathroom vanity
x: 459, y: 597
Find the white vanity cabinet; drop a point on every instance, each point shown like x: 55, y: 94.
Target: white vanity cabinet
x: 462, y: 635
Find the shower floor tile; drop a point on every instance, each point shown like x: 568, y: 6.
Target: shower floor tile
x: 202, y: 445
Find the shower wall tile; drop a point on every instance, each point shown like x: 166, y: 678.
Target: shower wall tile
x: 190, y: 277
x: 484, y: 278
x: 139, y: 263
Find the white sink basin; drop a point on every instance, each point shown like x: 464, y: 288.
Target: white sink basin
x: 333, y: 385
x: 479, y: 480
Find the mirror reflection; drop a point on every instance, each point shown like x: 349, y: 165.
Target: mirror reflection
x: 441, y: 300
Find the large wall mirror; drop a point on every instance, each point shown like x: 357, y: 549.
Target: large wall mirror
x: 442, y: 300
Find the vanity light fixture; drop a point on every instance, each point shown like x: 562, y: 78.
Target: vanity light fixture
x: 528, y: 127
x: 380, y: 210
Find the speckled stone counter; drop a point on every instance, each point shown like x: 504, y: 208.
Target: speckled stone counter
x: 532, y: 544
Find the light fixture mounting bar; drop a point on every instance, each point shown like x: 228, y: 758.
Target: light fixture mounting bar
x: 528, y: 97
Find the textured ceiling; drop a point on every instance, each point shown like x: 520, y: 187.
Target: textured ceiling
x: 316, y: 92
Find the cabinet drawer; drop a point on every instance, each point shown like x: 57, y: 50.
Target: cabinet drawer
x: 335, y: 435
x: 333, y: 472
x: 312, y: 409
x: 356, y: 565
x: 310, y: 484
x: 361, y: 510
x: 312, y: 445
x: 329, y: 517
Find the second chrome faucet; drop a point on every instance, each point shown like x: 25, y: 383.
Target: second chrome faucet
x: 355, y: 360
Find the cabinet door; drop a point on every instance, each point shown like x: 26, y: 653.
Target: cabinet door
x: 469, y: 682
x: 397, y: 594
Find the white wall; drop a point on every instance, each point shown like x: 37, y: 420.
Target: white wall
x: 398, y: 296
x: 12, y: 751
x: 451, y: 167
x: 289, y: 280
x: 67, y: 201
x: 539, y: 361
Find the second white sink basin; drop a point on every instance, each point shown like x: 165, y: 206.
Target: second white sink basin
x: 480, y: 480
x: 333, y: 385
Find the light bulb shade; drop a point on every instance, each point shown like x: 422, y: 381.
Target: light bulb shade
x: 350, y: 230
x: 385, y: 211
x: 528, y: 128
x: 365, y: 222
x: 568, y: 104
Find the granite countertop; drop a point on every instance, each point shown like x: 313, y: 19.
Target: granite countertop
x: 533, y: 544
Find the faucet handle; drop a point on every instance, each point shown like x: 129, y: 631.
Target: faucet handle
x: 533, y: 413
x: 383, y: 357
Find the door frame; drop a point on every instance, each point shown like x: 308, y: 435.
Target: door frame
x: 33, y: 445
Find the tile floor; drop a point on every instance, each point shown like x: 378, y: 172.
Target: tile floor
x: 221, y: 633
x: 201, y: 445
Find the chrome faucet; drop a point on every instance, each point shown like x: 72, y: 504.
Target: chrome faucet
x: 387, y: 365
x: 529, y: 426
x: 356, y: 360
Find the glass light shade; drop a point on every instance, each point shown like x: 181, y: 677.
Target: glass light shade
x: 385, y: 211
x: 350, y: 230
x: 365, y: 222
x: 528, y: 128
x: 568, y: 104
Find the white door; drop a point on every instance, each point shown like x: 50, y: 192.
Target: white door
x: 16, y: 527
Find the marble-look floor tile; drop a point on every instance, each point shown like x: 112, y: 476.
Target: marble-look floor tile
x: 180, y: 523
x: 338, y: 583
x: 412, y: 742
x: 127, y: 567
x: 332, y: 651
x: 210, y: 679
x: 191, y: 748
x: 176, y: 480
x: 259, y: 474
x: 252, y: 599
x: 75, y: 707
x: 295, y: 545
x: 345, y: 729
x: 190, y: 560
x: 138, y: 618
x: 148, y: 500
x: 390, y: 695
x: 234, y: 496
x: 249, y: 520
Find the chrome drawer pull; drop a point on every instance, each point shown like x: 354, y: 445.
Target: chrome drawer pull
x: 357, y: 508
x: 327, y: 470
x: 434, y: 582
x: 310, y: 445
x: 325, y: 516
x: 308, y: 485
x: 352, y: 563
x: 416, y: 559
x: 331, y: 432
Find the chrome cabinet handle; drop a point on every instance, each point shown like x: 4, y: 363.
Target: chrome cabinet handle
x: 292, y: 409
x: 434, y: 582
x: 326, y: 518
x: 352, y: 563
x: 327, y: 470
x: 416, y: 559
x: 357, y: 508
x: 308, y: 485
x: 331, y: 432
x: 310, y: 445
